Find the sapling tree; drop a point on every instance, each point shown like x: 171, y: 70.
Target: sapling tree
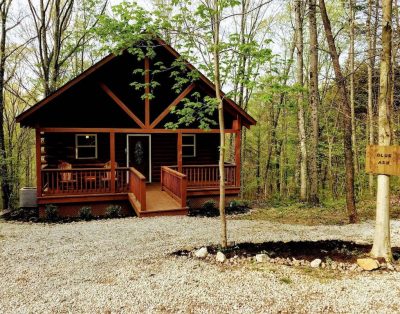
x: 196, y: 30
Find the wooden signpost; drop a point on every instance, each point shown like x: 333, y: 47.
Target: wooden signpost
x: 383, y: 160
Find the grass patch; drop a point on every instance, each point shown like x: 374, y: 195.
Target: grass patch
x: 286, y: 280
x: 328, y: 213
x: 323, y: 275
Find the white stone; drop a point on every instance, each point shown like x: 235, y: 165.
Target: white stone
x: 221, y: 258
x: 201, y: 253
x: 316, y: 263
x: 261, y: 258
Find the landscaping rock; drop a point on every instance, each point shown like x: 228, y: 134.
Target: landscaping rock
x: 316, y: 263
x: 368, y: 263
x: 353, y: 267
x: 221, y: 258
x: 261, y: 258
x: 201, y: 253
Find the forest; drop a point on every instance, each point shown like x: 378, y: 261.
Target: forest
x: 306, y: 70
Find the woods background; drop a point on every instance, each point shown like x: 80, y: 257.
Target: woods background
x: 277, y: 65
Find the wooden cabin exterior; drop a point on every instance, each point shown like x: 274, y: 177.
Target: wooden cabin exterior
x: 98, y: 142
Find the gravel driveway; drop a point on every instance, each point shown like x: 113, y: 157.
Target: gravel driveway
x: 124, y: 266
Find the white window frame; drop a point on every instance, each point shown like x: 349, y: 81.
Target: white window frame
x: 190, y: 145
x: 79, y: 146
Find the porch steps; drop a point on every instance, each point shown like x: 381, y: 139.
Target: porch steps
x: 159, y: 203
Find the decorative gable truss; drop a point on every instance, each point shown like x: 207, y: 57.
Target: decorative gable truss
x: 147, y: 124
x: 148, y: 119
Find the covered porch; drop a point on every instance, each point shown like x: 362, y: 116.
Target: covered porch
x: 159, y: 186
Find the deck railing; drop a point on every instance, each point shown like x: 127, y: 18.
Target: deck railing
x: 174, y: 183
x: 83, y: 181
x: 208, y: 175
x: 137, y: 186
x: 77, y: 181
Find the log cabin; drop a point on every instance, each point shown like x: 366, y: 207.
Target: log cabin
x: 100, y: 142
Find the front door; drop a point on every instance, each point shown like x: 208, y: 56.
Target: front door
x: 139, y: 153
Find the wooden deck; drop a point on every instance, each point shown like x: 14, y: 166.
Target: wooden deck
x: 158, y: 203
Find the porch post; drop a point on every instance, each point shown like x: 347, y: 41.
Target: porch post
x: 179, y: 152
x: 112, y: 159
x: 38, y: 163
x: 238, y: 139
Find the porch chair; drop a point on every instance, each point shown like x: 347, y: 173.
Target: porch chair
x: 106, y: 179
x: 67, y: 179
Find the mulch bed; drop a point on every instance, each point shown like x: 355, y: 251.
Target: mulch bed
x: 336, y: 250
x: 214, y: 212
x: 32, y: 215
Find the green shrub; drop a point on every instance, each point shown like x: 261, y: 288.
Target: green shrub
x: 114, y: 211
x: 237, y: 207
x: 234, y: 204
x: 239, y: 204
x: 51, y: 212
x: 209, y: 205
x: 85, y: 213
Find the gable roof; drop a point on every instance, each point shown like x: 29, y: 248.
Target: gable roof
x: 247, y: 120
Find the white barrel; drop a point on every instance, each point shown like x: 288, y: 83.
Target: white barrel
x: 27, y: 197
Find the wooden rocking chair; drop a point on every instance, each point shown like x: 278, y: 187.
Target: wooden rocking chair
x: 68, y: 179
x: 107, y: 178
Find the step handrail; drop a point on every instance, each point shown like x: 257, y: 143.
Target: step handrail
x: 137, y: 186
x: 175, y: 184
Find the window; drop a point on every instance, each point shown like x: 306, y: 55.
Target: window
x: 188, y: 145
x: 86, y: 146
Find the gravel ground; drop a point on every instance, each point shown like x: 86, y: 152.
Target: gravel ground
x: 125, y: 266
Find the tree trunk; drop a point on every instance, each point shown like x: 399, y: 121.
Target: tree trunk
x: 371, y: 38
x: 216, y: 25
x: 240, y: 96
x: 4, y: 175
x: 258, y: 162
x: 283, y: 159
x: 352, y: 93
x: 300, y: 101
x: 314, y: 103
x: 381, y: 246
x: 393, y: 112
x: 346, y: 114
